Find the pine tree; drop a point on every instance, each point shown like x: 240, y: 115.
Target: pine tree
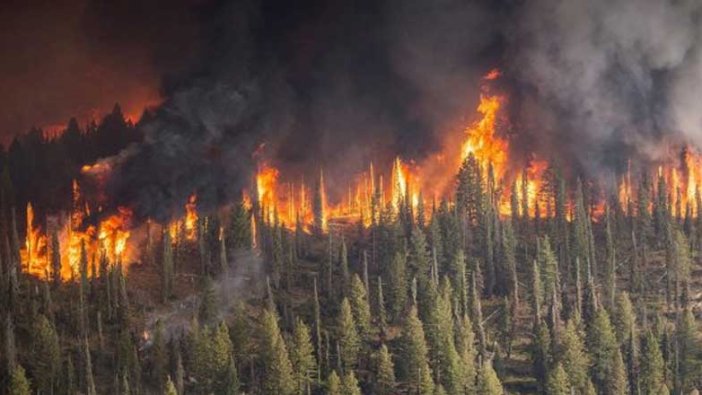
x: 548, y: 267
x: 465, y: 344
x: 602, y: 344
x: 624, y: 317
x: 47, y: 361
x: 574, y: 357
x: 276, y: 362
x: 541, y: 352
x: 207, y: 311
x: 350, y: 384
x: 19, y: 384
x: 231, y: 382
x: 302, y: 356
x: 449, y: 364
x: 385, y: 372
x: 360, y: 307
x: 617, y: 382
x: 417, y: 371
x: 489, y: 383
x: 652, y: 367
x: 558, y: 383
x: 334, y: 384
x: 689, y: 346
x: 349, y: 340
x: 398, y: 285
x: 240, y: 228
x: 418, y: 260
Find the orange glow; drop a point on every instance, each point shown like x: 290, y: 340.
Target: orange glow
x: 482, y: 140
x: 191, y: 218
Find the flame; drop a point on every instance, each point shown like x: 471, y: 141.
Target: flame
x: 191, y: 218
x: 482, y: 140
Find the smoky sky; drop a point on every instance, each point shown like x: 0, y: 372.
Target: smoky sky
x: 311, y: 85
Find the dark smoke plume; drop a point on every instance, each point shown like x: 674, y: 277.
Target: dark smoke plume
x: 334, y: 85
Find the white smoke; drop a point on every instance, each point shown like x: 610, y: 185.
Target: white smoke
x: 612, y: 70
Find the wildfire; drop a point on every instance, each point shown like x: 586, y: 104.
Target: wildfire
x: 191, y: 218
x: 482, y: 140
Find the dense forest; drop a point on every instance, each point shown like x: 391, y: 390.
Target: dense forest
x: 455, y: 298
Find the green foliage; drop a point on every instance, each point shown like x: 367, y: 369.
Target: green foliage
x: 350, y: 384
x: 19, y: 384
x: 360, y: 307
x: 652, y: 367
x: 488, y: 382
x: 575, y: 359
x: 415, y: 353
x: 274, y: 354
x: 398, y: 285
x: 385, y: 372
x: 602, y: 344
x: 302, y: 356
x: 47, y: 361
x: 334, y: 384
x: 170, y: 388
x: 349, y: 340
x: 558, y: 383
x: 240, y: 228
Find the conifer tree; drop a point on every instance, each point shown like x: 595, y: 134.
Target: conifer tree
x: 349, y: 340
x: 488, y: 382
x: 449, y: 364
x: 398, y: 285
x: 207, y: 312
x: 541, y: 352
x: 558, y: 383
x: 385, y: 372
x: 574, y: 358
x: 417, y: 371
x: 170, y: 388
x: 240, y: 228
x: 418, y: 260
x: 276, y: 362
x: 360, y: 307
x: 19, y: 384
x: 548, y: 267
x: 624, y: 317
x: 334, y: 384
x: 602, y: 344
x: 47, y: 361
x: 465, y: 344
x: 689, y: 350
x: 231, y: 382
x: 302, y: 356
x: 350, y: 384
x: 617, y: 382
x: 652, y: 367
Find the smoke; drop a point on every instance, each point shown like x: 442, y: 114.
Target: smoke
x: 333, y: 88
x: 608, y: 79
x: 342, y: 84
